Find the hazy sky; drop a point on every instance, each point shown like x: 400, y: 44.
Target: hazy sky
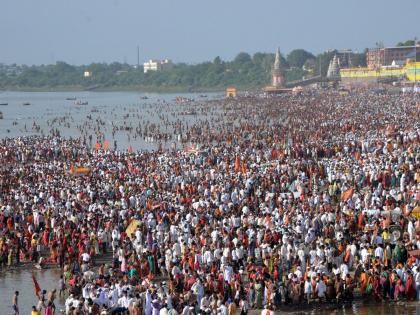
x: 84, y: 31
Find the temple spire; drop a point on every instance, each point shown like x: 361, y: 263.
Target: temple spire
x: 334, y: 68
x: 277, y: 62
x: 277, y: 74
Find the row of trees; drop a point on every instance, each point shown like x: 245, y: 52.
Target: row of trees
x: 245, y: 71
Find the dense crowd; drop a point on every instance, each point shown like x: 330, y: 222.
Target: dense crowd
x: 280, y: 201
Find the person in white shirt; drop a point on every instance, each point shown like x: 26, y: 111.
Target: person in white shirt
x: 364, y: 254
x: 222, y: 309
x: 307, y: 290
x: 321, y: 288
x: 298, y: 272
x: 69, y: 303
x: 344, y: 270
x: 163, y: 310
x: 379, y: 253
x: 85, y: 257
x: 208, y: 257
x: 198, y: 290
x: 227, y: 273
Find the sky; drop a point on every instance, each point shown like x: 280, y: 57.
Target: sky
x: 193, y: 31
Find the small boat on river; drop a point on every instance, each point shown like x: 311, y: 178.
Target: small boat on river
x: 80, y: 103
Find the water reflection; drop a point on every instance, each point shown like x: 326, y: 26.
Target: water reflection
x: 20, y: 280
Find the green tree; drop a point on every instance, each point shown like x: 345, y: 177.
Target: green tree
x: 297, y: 58
x: 409, y: 42
x: 242, y: 58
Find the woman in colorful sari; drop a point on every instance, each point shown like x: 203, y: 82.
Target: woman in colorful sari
x: 399, y: 290
x: 410, y: 290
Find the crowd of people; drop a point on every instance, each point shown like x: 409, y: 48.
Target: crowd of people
x: 276, y: 202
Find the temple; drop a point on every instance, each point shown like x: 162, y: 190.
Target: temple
x: 333, y: 69
x: 277, y: 74
x: 278, y: 82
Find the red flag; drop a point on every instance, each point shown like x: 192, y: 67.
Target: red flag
x: 36, y: 285
x: 274, y: 154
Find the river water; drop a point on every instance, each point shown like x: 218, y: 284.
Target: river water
x: 111, y: 107
x: 52, y: 110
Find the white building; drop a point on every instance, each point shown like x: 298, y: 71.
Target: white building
x: 157, y: 65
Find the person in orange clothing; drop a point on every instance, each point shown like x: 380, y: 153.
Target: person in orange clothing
x: 363, y: 282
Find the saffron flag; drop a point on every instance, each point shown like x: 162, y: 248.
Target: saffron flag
x: 37, y: 288
x: 97, y: 146
x: 106, y: 145
x: 237, y: 165
x: 244, y: 168
x: 346, y: 195
x: 79, y: 171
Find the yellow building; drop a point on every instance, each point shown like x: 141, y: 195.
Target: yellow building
x: 231, y: 92
x: 411, y: 71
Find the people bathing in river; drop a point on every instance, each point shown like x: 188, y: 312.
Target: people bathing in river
x: 305, y: 199
x: 15, y: 303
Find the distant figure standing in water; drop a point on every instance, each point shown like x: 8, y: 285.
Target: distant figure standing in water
x: 15, y: 303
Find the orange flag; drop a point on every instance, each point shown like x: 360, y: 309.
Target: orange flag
x: 97, y: 146
x: 346, y: 195
x: 37, y: 288
x: 106, y: 145
x: 130, y: 149
x: 244, y: 168
x: 237, y: 164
